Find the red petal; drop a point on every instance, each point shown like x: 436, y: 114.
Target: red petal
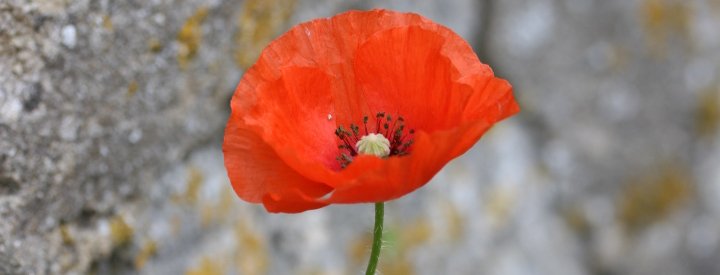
x: 291, y: 114
x: 421, y: 73
x: 256, y: 171
x: 329, y: 44
x: 293, y: 201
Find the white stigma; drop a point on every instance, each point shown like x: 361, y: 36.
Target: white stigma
x: 374, y: 144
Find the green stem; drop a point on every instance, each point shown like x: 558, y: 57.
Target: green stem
x: 377, y: 238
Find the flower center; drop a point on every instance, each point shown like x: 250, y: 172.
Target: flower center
x: 388, y: 139
x: 374, y: 144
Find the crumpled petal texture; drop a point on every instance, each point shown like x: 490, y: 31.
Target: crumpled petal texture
x: 280, y: 146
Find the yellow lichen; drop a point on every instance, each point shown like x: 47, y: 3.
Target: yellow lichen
x: 359, y: 249
x: 414, y: 234
x: 259, y: 22
x: 400, y: 266
x: 107, y: 23
x: 409, y: 236
x: 576, y: 220
x: 455, y: 222
x: 154, y: 45
x: 707, y: 117
x: 190, y: 37
x: 618, y: 57
x: 662, y: 18
x: 211, y: 212
x: 194, y: 182
x: 313, y: 271
x: 499, y: 204
x: 65, y: 235
x: 252, y: 257
x: 120, y: 232
x: 653, y: 197
x: 146, y: 252
x: 132, y: 88
x: 206, y: 267
x: 207, y: 215
x: 226, y: 200
x: 399, y: 242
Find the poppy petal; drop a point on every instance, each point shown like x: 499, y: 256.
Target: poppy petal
x: 255, y: 171
x: 419, y: 72
x: 293, y: 201
x: 493, y: 105
x: 329, y: 44
x: 291, y: 114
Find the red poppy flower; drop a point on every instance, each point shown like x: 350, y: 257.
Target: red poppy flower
x: 365, y: 106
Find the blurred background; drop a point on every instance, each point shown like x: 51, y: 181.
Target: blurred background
x: 112, y: 114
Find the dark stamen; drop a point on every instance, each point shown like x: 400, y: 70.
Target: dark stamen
x: 378, y: 119
x: 394, y: 131
x: 355, y: 130
x: 365, y: 120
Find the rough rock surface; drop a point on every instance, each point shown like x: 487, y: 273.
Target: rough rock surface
x: 98, y: 99
x: 111, y: 117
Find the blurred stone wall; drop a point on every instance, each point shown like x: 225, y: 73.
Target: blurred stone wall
x: 111, y: 118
